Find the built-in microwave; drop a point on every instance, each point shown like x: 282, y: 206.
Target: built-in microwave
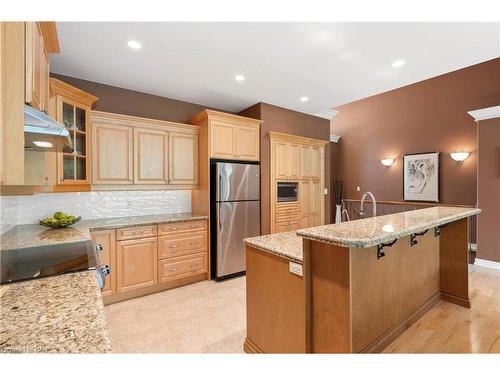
x: 287, y: 191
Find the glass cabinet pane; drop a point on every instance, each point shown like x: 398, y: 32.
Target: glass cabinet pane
x: 80, y: 169
x: 80, y: 119
x: 68, y: 115
x: 79, y: 144
x: 68, y: 167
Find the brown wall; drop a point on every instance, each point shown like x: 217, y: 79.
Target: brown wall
x: 426, y: 116
x: 286, y: 121
x: 134, y: 103
x: 489, y: 189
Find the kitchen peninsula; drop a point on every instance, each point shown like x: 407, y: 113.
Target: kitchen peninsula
x: 355, y: 286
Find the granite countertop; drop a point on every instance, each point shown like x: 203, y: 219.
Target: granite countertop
x: 381, y: 229
x: 60, y: 314
x: 284, y: 244
x: 30, y: 235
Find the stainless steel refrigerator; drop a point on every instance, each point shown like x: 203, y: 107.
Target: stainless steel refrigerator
x: 235, y: 215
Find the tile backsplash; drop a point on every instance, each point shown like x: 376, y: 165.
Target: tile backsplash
x: 27, y: 209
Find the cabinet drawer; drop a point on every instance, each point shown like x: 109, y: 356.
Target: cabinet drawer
x: 136, y: 232
x: 184, y: 244
x: 183, y: 227
x: 180, y: 267
x: 286, y: 208
x: 287, y: 216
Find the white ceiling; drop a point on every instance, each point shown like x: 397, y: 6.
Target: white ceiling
x: 331, y: 63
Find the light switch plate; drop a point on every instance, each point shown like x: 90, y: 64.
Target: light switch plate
x: 325, y: 191
x: 295, y: 268
x: 358, y: 188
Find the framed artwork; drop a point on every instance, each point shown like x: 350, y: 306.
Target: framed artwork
x: 421, y: 177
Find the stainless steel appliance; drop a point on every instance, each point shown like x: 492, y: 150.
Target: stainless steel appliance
x: 44, y: 261
x: 235, y: 212
x: 287, y: 191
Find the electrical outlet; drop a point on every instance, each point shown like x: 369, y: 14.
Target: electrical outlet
x: 325, y: 191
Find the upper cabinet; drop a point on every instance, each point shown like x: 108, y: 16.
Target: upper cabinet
x: 136, y: 151
x: 230, y: 137
x: 150, y: 156
x: 40, y: 40
x: 24, y: 78
x: 71, y: 107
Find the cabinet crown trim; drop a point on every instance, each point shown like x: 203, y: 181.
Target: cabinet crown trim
x: 297, y: 139
x: 59, y: 87
x: 49, y: 33
x: 216, y: 115
x: 126, y: 120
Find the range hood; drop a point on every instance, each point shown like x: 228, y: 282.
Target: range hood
x: 42, y: 132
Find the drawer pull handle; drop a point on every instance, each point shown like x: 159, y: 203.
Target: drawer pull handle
x: 174, y: 246
x: 172, y: 269
x: 174, y: 228
x: 193, y: 243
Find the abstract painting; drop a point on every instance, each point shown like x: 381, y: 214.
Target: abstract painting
x: 421, y: 177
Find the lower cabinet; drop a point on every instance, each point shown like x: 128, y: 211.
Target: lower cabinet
x: 180, y: 267
x: 136, y: 264
x: 145, y: 259
x: 287, y: 217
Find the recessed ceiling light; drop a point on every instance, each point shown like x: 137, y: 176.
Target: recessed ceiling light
x: 398, y: 63
x: 239, y: 77
x: 43, y: 144
x: 134, y: 44
x: 304, y: 99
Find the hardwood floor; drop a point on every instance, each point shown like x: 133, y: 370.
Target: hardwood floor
x: 448, y: 328
x: 209, y: 317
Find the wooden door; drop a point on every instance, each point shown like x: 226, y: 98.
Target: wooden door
x: 111, y: 154
x: 305, y: 161
x: 280, y: 160
x: 150, y: 156
x: 183, y: 159
x: 222, y: 140
x: 293, y: 161
x: 247, y: 143
x: 315, y: 203
x: 136, y: 264
x: 304, y: 203
x: 316, y: 162
x: 107, y: 257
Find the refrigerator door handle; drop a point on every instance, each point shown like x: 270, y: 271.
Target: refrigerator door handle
x: 220, y: 221
x: 220, y: 189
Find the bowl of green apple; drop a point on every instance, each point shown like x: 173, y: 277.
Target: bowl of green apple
x: 59, y: 220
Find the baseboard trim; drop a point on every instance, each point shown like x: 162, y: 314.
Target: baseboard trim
x: 393, y: 333
x: 455, y: 299
x: 487, y: 263
x: 250, y: 347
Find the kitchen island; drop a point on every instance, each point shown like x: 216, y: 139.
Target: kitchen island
x: 357, y: 285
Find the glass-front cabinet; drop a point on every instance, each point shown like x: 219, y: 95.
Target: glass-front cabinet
x: 72, y: 108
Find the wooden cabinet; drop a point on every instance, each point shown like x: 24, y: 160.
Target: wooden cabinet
x: 107, y: 256
x: 136, y: 264
x: 298, y: 159
x: 230, y: 137
x: 149, y: 258
x: 71, y: 107
x: 37, y: 67
x: 247, y: 142
x: 287, y: 217
x: 150, y: 156
x: 111, y: 154
x: 24, y: 78
x: 136, y: 151
x: 183, y: 159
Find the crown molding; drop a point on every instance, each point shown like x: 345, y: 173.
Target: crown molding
x: 296, y: 139
x: 485, y: 113
x: 217, y: 115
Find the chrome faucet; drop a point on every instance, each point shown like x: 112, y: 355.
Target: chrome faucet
x: 361, y: 212
x: 346, y: 214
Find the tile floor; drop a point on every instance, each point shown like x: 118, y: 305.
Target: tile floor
x: 209, y: 317
x: 205, y: 317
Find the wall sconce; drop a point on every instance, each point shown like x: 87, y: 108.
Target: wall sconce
x: 387, y: 162
x: 459, y: 156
